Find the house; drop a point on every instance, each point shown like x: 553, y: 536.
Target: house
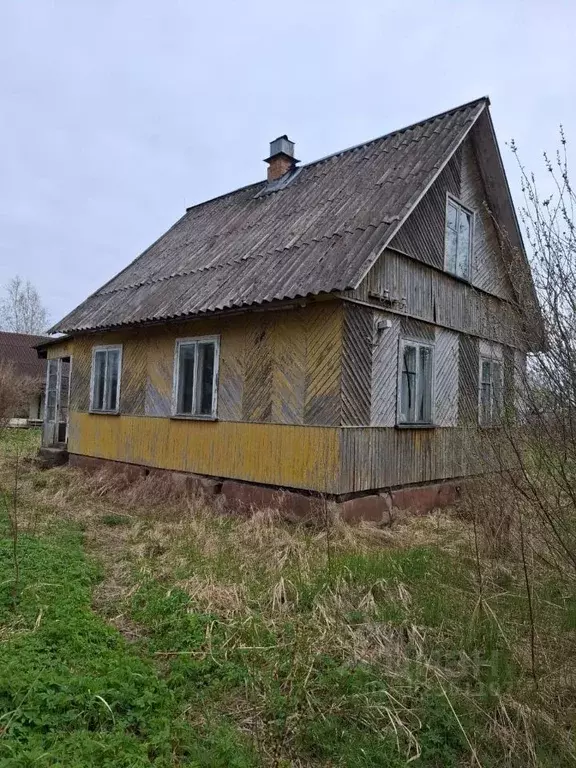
x: 344, y: 328
x: 18, y: 350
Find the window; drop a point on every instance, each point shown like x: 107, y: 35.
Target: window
x: 459, y: 222
x: 416, y: 377
x: 195, y: 373
x: 491, y: 390
x: 105, y: 388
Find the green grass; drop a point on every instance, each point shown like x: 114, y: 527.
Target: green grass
x: 161, y: 634
x: 24, y: 442
x: 72, y: 691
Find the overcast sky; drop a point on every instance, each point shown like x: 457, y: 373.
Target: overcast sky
x: 117, y: 114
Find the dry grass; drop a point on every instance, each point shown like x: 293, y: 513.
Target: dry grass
x: 425, y: 606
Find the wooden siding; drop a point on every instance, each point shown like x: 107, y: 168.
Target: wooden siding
x: 446, y: 382
x: 422, y: 292
x: 80, y: 379
x: 257, y: 400
x: 379, y: 457
x: 417, y: 330
x: 488, y: 269
x: 281, y: 367
x: 322, y: 403
x: 384, y: 369
x: 275, y: 454
x: 357, y: 365
x: 62, y: 349
x: 509, y: 383
x: 423, y: 234
x: 468, y: 376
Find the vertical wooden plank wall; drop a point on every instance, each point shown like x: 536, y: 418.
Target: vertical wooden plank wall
x: 384, y: 369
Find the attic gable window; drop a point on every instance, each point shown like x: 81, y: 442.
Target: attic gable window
x: 458, y: 247
x: 195, y: 376
x: 105, y: 379
x: 416, y: 377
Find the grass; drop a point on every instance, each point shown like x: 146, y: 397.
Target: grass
x: 148, y: 629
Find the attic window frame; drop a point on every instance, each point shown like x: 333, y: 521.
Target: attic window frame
x: 95, y: 350
x: 195, y: 341
x: 459, y: 205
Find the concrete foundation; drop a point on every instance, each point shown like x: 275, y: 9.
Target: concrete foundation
x: 376, y: 507
x: 48, y: 458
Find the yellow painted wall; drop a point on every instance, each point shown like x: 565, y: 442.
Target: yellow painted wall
x: 63, y: 349
x: 279, y: 399
x: 275, y: 454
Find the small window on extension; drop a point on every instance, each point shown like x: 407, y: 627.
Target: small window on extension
x: 105, y: 389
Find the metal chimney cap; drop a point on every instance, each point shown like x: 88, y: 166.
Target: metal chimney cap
x: 282, y: 146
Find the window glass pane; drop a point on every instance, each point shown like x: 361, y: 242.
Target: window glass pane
x: 451, y: 249
x: 485, y: 397
x: 496, y: 391
x: 186, y: 378
x: 206, y: 377
x: 486, y: 372
x: 452, y: 216
x: 408, y: 384
x: 424, y: 411
x: 463, y: 258
x: 52, y: 374
x: 112, y: 372
x: 98, y: 382
x: 51, y: 405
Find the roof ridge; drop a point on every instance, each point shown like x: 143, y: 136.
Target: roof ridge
x: 446, y: 112
x: 362, y: 144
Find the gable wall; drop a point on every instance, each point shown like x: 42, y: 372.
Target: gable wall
x: 409, y: 277
x: 423, y: 235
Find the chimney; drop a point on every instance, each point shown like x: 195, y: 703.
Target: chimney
x: 281, y: 158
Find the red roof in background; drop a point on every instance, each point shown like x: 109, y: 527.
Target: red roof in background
x: 18, y: 348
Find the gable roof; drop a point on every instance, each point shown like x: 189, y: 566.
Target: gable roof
x: 319, y: 233
x: 19, y: 349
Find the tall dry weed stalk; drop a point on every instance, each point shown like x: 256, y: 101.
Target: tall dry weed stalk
x: 526, y: 501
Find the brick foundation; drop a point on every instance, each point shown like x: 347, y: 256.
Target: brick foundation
x: 239, y: 496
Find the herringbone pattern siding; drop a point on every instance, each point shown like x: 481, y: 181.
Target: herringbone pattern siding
x: 446, y: 383
x: 160, y: 376
x: 289, y: 374
x: 257, y: 398
x: 323, y: 365
x: 357, y: 365
x: 231, y: 373
x: 134, y: 372
x: 80, y: 379
x: 468, y: 372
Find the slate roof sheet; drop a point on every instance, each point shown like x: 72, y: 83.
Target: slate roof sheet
x: 319, y: 233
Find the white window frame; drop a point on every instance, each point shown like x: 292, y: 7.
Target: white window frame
x: 450, y: 199
x: 418, y: 343
x: 492, y: 422
x: 105, y: 348
x: 212, y: 416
